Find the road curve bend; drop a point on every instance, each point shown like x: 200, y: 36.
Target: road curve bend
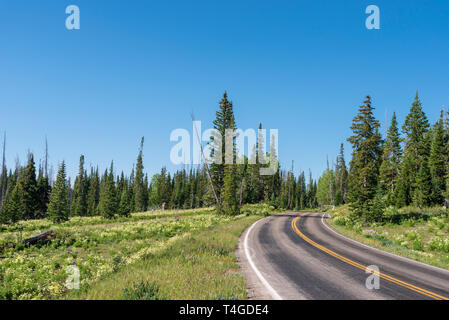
x: 297, y: 256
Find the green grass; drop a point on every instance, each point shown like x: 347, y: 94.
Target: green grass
x: 419, y: 234
x: 167, y: 254
x: 200, y: 266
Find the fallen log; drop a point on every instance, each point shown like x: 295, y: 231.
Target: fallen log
x: 44, y: 236
x: 47, y: 235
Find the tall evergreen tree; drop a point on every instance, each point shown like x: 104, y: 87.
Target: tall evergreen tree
x: 272, y: 182
x: 43, y: 194
x: 28, y: 189
x: 415, y: 149
x: 13, y: 206
x: 79, y: 202
x: 423, y: 188
x: 125, y: 202
x: 230, y: 202
x: 93, y: 193
x: 437, y: 162
x: 341, y: 177
x: 58, y: 207
x: 140, y: 192
x: 108, y: 200
x: 222, y: 122
x: 324, y: 183
x: 391, y: 163
x: 364, y: 166
x: 3, y: 175
x: 446, y: 193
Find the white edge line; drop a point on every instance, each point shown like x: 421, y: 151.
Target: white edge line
x: 270, y: 289
x: 382, y: 251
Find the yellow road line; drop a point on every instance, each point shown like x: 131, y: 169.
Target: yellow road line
x: 364, y: 268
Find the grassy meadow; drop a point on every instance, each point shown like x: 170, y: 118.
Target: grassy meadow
x: 186, y: 254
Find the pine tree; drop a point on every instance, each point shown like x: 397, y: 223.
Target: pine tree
x: 301, y: 187
x: 242, y: 179
x: 391, y: 163
x: 140, y: 193
x: 8, y: 215
x: 437, y: 162
x: 108, y: 200
x: 79, y: 202
x: 415, y: 149
x: 230, y: 202
x: 14, y: 205
x: 224, y: 118
x: 145, y: 193
x: 3, y: 175
x: 93, y: 193
x: 283, y: 199
x: 341, y: 178
x: 423, y: 189
x: 272, y: 181
x: 43, y: 195
x: 257, y: 181
x: 125, y: 202
x: 28, y: 189
x: 366, y: 155
x: 161, y: 189
x: 58, y: 208
x: 324, y: 183
x: 254, y: 185
x: 446, y: 193
x: 446, y: 142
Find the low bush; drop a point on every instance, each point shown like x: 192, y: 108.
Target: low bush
x: 143, y: 291
x: 439, y: 243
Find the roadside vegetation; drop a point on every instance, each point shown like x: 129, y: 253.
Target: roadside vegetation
x: 394, y: 195
x: 419, y: 234
x: 406, y: 168
x: 173, y: 255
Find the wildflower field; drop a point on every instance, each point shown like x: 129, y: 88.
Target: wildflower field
x: 101, y: 248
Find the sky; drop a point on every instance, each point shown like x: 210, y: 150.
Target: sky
x: 140, y: 68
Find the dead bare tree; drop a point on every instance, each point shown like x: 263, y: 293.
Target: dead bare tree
x: 205, y: 161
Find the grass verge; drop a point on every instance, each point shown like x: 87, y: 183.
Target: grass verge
x: 200, y: 265
x: 418, y: 234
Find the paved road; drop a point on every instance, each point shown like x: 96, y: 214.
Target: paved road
x: 298, y: 256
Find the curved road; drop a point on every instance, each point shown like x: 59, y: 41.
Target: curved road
x: 298, y: 256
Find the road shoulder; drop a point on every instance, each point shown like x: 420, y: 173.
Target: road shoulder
x: 255, y: 289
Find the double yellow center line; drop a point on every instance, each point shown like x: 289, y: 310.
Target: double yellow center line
x: 364, y: 268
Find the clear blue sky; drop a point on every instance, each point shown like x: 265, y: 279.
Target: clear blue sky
x: 138, y: 68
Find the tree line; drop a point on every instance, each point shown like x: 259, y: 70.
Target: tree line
x: 407, y: 167
x: 27, y: 193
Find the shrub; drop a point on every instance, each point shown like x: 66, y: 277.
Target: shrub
x: 258, y: 209
x: 439, y: 243
x: 418, y: 245
x: 340, y: 221
x: 143, y: 291
x: 412, y: 235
